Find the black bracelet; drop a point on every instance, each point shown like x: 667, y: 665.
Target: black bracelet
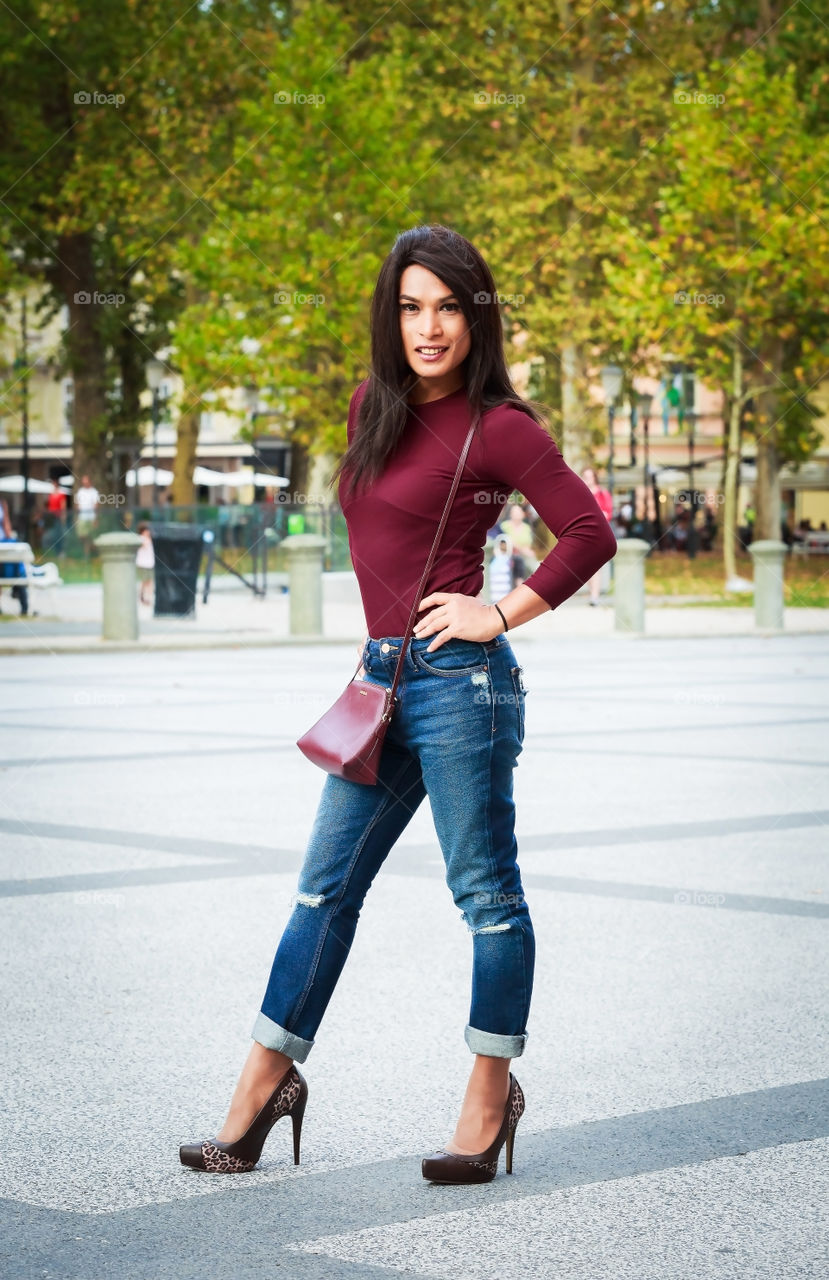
x: 503, y: 619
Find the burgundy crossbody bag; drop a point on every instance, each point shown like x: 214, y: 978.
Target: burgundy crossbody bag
x: 348, y: 739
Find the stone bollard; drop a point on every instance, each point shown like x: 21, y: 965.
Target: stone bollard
x: 305, y: 556
x: 629, y: 580
x: 117, y: 551
x: 768, y: 557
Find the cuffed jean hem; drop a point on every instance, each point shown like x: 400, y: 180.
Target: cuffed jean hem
x: 269, y: 1033
x: 494, y: 1046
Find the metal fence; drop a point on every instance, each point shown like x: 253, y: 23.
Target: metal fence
x: 254, y: 528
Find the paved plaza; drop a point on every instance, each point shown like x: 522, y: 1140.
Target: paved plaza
x: 672, y: 816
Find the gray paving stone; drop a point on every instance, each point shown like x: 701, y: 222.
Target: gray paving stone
x: 672, y: 811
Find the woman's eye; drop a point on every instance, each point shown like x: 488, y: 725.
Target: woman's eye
x: 453, y: 306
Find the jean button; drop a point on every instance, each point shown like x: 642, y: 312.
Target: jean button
x: 384, y: 648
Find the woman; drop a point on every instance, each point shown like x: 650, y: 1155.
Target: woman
x: 145, y: 562
x: 437, y: 357
x: 605, y: 502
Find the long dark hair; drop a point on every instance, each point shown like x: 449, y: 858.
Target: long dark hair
x: 384, y: 408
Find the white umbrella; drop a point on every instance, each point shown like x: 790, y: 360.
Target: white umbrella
x: 204, y: 475
x: 236, y: 479
x: 671, y: 475
x: 14, y: 484
x: 148, y: 475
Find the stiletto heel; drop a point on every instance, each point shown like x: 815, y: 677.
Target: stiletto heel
x: 448, y: 1166
x: 510, y: 1145
x: 296, y: 1120
x: 288, y: 1099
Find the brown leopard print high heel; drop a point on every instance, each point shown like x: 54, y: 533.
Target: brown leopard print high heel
x: 448, y: 1166
x: 288, y: 1099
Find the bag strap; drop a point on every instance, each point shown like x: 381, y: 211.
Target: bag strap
x: 419, y: 596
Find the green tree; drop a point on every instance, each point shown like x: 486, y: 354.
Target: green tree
x: 106, y: 121
x: 737, y: 273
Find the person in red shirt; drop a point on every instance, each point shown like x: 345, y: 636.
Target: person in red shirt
x: 56, y: 502
x: 605, y: 502
x: 437, y: 368
x: 54, y: 524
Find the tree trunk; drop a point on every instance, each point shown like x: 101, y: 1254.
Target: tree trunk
x: 187, y: 429
x: 300, y: 465
x: 767, y: 524
x: 768, y: 448
x: 576, y: 420
x: 87, y: 359
x: 187, y: 449
x: 732, y: 457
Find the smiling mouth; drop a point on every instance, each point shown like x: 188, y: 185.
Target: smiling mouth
x: 431, y: 351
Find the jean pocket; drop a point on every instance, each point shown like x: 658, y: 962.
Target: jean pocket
x: 520, y: 695
x: 454, y: 658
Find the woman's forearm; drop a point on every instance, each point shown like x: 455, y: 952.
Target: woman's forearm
x: 521, y: 605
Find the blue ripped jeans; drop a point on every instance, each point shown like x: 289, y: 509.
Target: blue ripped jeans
x: 455, y: 736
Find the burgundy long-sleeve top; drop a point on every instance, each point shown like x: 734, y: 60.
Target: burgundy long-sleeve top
x: 392, y: 524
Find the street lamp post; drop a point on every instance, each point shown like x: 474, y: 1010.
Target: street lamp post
x: 21, y: 366
x: 612, y: 376
x: 155, y: 376
x: 645, y: 401
x: 258, y: 545
x: 691, y: 416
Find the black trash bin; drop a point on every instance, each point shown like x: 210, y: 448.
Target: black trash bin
x: 178, y: 552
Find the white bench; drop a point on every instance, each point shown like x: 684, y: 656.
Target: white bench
x: 42, y: 576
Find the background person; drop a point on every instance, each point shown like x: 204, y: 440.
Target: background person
x: 605, y: 502
x: 86, y: 503
x: 145, y: 562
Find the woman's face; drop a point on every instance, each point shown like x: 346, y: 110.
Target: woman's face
x: 435, y: 334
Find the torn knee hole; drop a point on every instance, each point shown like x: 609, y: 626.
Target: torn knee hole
x: 309, y: 899
x: 493, y: 928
